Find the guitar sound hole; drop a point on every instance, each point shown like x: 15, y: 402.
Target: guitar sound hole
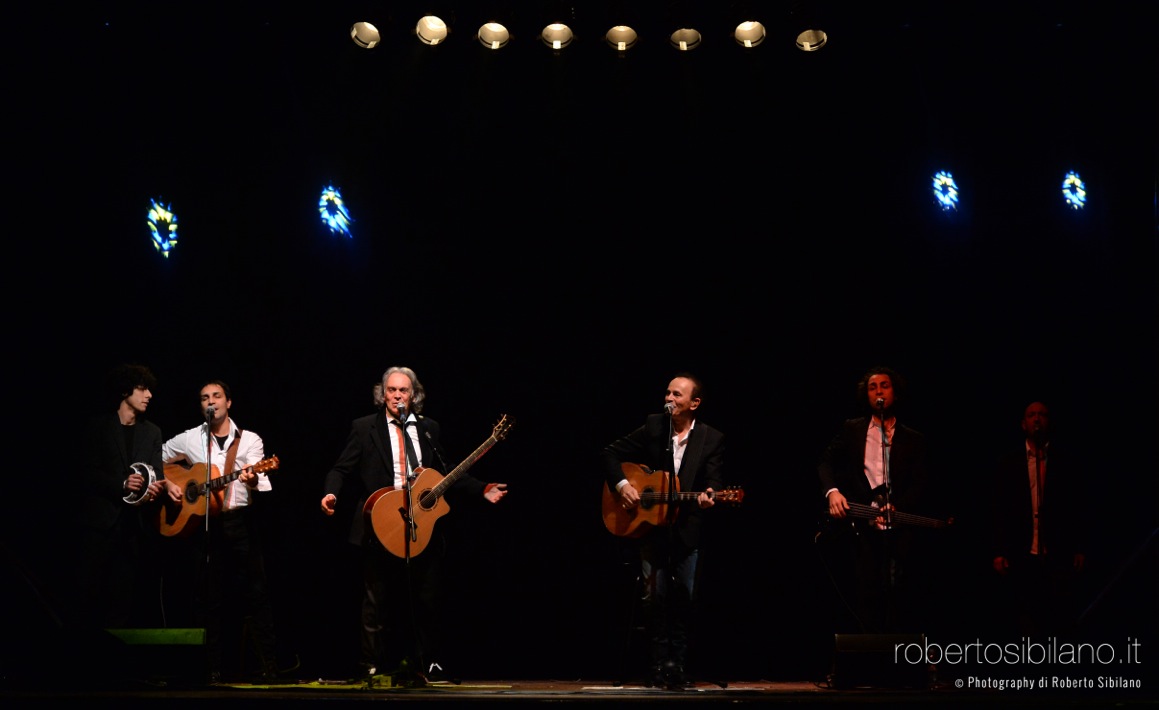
x: 646, y: 499
x: 191, y: 493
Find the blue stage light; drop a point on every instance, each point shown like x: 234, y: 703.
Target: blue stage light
x: 1074, y: 190
x: 333, y: 211
x: 162, y: 227
x: 945, y: 191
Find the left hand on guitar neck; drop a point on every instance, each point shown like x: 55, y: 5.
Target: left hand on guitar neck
x: 248, y: 477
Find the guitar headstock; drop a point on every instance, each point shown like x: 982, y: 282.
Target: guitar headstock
x: 502, y: 427
x: 266, y: 465
x: 733, y: 495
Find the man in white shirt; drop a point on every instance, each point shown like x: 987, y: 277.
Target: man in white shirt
x: 229, y: 560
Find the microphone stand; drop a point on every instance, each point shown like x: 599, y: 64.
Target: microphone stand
x: 887, y: 532
x: 885, y: 479
x: 408, y: 477
x: 208, y: 470
x: 407, y: 512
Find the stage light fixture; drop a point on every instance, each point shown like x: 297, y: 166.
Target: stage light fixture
x: 493, y: 35
x: 1074, y: 190
x: 685, y: 39
x: 557, y: 35
x: 945, y: 191
x: 431, y: 30
x: 162, y: 227
x: 808, y: 18
x: 749, y: 33
x: 365, y: 35
x: 332, y: 209
x: 811, y: 40
x: 622, y: 37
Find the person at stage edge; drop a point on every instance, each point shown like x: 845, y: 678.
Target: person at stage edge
x: 1039, y: 529
x: 122, y: 481
x: 674, y: 441
x: 229, y: 588
x: 411, y: 644
x: 870, y: 555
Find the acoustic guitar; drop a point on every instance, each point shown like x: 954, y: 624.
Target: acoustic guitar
x: 198, y: 497
x: 405, y: 530
x: 659, y: 496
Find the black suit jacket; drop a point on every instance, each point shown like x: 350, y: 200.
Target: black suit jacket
x: 107, y: 465
x: 367, y: 464
x: 842, y: 466
x: 1062, y: 527
x: 702, y: 466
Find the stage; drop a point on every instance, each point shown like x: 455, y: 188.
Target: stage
x: 594, y: 691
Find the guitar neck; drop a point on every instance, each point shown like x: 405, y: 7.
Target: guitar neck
x: 222, y: 481
x: 663, y: 497
x: 450, y: 479
x: 868, y: 512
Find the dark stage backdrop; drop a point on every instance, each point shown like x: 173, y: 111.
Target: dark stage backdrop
x: 553, y: 238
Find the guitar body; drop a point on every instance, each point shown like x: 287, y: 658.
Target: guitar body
x: 173, y: 519
x: 653, y: 486
x: 388, y: 508
x: 199, y: 496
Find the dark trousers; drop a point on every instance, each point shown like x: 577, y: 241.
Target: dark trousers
x: 231, y: 596
x: 669, y: 573
x: 402, y: 609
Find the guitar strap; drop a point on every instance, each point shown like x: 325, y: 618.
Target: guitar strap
x: 231, y: 453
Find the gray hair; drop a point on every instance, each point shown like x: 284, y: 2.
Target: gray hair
x: 418, y: 393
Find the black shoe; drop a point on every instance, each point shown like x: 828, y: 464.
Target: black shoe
x: 655, y: 677
x: 435, y: 673
x: 669, y: 675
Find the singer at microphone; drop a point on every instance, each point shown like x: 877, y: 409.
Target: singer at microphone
x: 870, y: 475
x: 672, y: 451
x: 360, y: 471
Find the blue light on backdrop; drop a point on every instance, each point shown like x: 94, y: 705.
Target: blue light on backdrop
x: 333, y: 211
x: 1074, y: 190
x: 945, y: 191
x: 162, y: 227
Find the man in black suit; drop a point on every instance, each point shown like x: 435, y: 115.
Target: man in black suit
x: 121, y: 481
x: 677, y: 442
x: 874, y: 461
x: 1039, y: 528
x: 382, y: 452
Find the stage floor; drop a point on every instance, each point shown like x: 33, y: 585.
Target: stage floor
x: 582, y: 691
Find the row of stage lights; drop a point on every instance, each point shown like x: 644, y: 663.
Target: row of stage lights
x: 433, y: 30
x: 336, y: 217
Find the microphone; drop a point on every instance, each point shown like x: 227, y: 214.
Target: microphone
x: 209, y: 412
x: 880, y: 402
x: 401, y: 413
x: 669, y: 408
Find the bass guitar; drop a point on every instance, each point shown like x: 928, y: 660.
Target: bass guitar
x: 198, y: 497
x: 659, y: 496
x: 871, y: 512
x: 405, y: 530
